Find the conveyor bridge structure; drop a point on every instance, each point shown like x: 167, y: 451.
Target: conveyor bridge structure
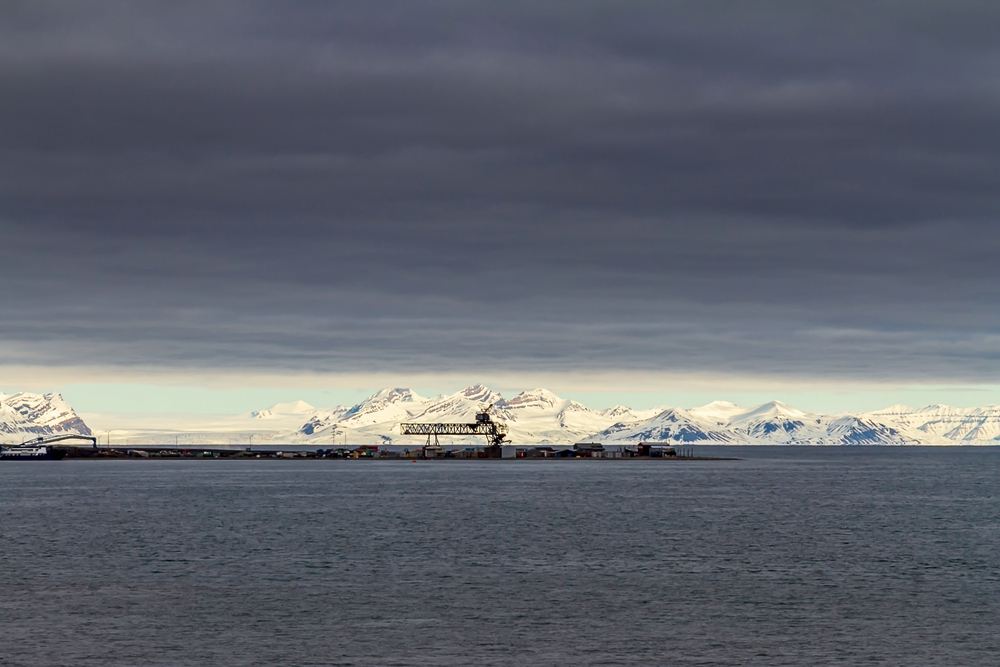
x: 495, y: 432
x: 52, y: 439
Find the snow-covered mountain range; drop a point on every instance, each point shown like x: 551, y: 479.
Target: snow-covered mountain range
x: 539, y: 416
x: 24, y: 414
x: 772, y: 423
x: 534, y: 417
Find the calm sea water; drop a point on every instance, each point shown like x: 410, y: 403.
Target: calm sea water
x: 792, y: 556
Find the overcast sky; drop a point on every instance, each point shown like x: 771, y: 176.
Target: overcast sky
x: 803, y: 190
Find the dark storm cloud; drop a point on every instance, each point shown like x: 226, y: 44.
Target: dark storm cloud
x: 750, y: 187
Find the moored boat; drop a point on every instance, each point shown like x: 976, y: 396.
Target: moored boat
x: 31, y: 453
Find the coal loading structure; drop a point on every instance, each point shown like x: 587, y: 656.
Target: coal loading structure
x: 494, y: 431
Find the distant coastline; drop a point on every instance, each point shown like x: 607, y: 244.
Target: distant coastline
x: 398, y: 453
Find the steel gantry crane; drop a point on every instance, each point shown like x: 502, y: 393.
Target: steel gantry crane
x: 495, y: 432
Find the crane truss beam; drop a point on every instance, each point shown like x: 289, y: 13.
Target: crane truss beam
x: 494, y: 432
x: 50, y: 439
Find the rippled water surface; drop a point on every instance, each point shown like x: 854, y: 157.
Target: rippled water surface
x: 791, y: 556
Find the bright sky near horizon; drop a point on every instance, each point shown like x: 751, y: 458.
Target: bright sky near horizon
x: 212, y: 207
x: 111, y: 398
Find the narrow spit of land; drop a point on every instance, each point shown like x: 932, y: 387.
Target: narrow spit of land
x: 360, y: 454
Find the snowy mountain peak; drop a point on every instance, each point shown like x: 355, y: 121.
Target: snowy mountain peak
x: 674, y: 425
x: 280, y: 409
x: 537, y: 398
x: 479, y: 393
x: 725, y: 406
x: 386, y: 397
x: 40, y: 414
x: 770, y: 410
x: 893, y: 409
x: 719, y: 412
x: 395, y: 395
x: 671, y: 415
x: 385, y: 406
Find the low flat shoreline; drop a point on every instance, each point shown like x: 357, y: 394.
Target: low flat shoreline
x: 154, y: 452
